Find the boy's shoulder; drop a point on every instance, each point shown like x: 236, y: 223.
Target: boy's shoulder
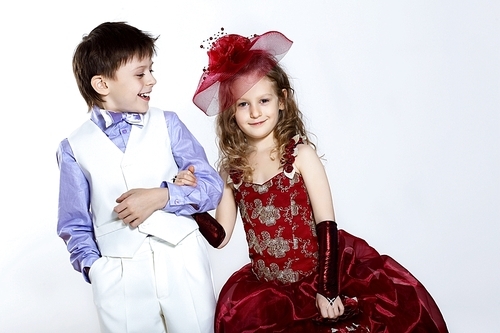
x: 80, y: 128
x: 169, y: 115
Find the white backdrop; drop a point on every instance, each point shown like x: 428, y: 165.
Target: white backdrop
x: 403, y: 97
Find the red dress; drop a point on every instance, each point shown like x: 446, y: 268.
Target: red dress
x: 276, y: 291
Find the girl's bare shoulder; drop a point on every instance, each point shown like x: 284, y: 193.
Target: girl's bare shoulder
x: 306, y: 156
x: 305, y: 151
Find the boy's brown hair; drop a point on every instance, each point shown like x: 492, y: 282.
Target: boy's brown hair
x: 102, y: 52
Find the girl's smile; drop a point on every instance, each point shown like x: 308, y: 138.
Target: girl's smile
x: 257, y: 110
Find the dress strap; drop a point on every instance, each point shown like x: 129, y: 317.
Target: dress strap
x: 286, y: 161
x: 235, y: 177
x: 289, y: 156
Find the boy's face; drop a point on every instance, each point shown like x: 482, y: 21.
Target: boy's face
x: 130, y: 89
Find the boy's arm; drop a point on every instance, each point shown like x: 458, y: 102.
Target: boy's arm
x: 74, y: 221
x: 187, y: 151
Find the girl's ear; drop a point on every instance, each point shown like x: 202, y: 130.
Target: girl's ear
x: 99, y: 84
x: 282, y: 100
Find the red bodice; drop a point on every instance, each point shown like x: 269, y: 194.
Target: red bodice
x: 279, y: 227
x: 279, y: 223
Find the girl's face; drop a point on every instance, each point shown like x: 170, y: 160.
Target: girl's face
x: 258, y: 109
x: 129, y: 90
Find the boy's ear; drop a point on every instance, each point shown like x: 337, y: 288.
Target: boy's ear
x: 99, y: 84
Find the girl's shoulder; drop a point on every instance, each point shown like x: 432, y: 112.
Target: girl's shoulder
x: 295, y: 151
x: 297, y: 146
x: 305, y: 153
x: 305, y: 149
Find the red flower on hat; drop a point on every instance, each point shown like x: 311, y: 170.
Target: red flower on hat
x: 227, y: 52
x: 227, y: 56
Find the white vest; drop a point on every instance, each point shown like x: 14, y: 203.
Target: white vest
x: 147, y: 161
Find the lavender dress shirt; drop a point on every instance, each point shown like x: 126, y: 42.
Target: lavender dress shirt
x: 74, y: 223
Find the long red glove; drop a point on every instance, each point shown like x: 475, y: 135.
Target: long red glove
x: 328, y: 284
x: 213, y: 232
x: 328, y: 279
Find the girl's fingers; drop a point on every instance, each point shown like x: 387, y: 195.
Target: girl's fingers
x: 185, y: 177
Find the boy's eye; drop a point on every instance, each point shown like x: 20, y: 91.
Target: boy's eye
x: 142, y: 74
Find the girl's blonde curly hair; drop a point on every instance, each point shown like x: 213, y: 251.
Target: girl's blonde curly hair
x: 233, y: 147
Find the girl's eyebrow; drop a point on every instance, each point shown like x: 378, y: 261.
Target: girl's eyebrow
x: 266, y: 95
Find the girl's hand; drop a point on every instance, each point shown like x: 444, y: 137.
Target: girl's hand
x: 185, y: 177
x: 327, y: 309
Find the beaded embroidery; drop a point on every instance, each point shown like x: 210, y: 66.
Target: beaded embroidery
x: 278, y: 221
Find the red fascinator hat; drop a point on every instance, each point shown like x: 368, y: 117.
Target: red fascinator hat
x: 231, y: 54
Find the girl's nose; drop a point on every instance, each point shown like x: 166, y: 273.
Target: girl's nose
x: 255, y: 112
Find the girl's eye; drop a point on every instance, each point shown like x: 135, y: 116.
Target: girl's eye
x: 141, y: 75
x: 242, y: 104
x: 264, y: 101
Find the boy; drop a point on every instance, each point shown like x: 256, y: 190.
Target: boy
x: 127, y: 226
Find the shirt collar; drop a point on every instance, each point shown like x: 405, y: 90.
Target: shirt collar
x: 111, y: 118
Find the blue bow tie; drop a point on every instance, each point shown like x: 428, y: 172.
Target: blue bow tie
x: 111, y: 118
x: 133, y: 118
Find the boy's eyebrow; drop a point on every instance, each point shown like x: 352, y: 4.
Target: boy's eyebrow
x: 144, y: 66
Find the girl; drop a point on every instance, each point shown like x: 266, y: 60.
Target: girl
x: 304, y: 274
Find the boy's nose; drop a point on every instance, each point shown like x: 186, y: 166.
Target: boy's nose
x: 151, y: 80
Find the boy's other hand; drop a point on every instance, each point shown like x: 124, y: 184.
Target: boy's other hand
x: 136, y: 205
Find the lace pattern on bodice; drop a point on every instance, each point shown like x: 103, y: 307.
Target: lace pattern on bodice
x: 279, y: 223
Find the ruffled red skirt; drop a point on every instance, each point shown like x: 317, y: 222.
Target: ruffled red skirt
x: 390, y: 298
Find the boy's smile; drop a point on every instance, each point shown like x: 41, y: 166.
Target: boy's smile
x: 130, y: 89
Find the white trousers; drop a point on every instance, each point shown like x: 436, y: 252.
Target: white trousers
x: 163, y: 288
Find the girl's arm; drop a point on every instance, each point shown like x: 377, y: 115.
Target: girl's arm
x: 313, y: 172
x: 226, y: 211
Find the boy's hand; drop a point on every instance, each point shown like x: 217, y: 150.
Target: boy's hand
x: 186, y: 177
x: 136, y: 205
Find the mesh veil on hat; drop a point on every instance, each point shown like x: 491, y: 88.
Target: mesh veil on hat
x: 227, y: 56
